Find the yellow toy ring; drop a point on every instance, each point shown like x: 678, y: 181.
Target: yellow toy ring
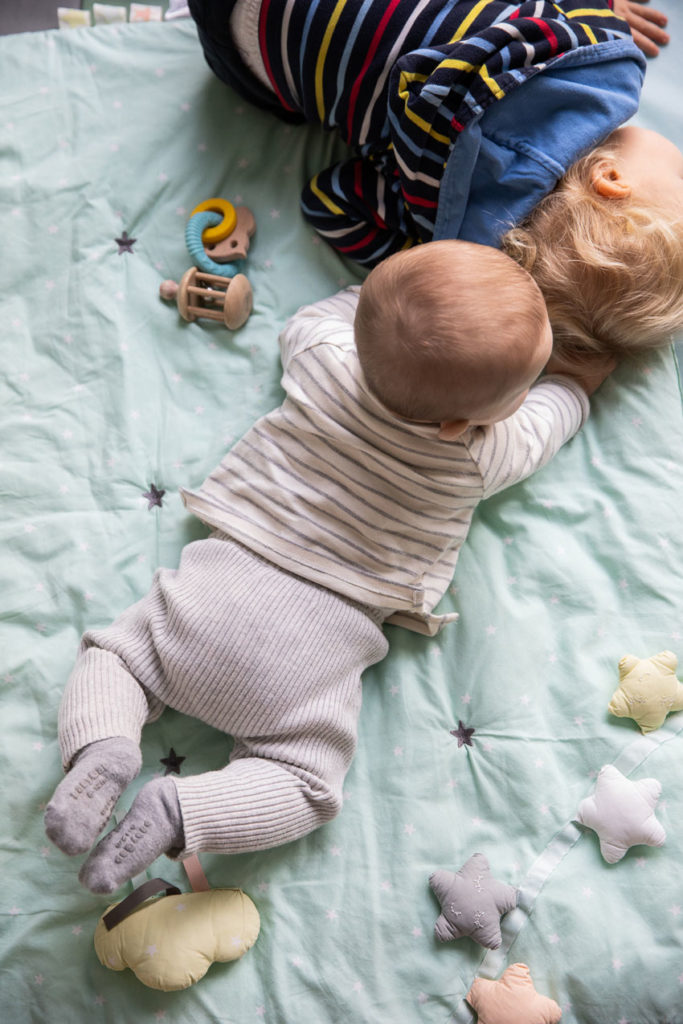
x: 210, y: 236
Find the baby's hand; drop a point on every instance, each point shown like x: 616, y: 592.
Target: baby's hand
x: 647, y: 25
x: 589, y: 371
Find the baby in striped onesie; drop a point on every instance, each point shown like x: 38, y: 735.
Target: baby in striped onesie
x: 344, y: 508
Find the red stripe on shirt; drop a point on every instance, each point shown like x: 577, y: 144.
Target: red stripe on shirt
x: 368, y: 60
x: 546, y: 30
x: 358, y: 189
x: 264, y: 53
x: 359, y: 245
x: 419, y: 201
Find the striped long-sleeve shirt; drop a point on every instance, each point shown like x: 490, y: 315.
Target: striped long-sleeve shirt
x: 332, y: 487
x: 405, y: 82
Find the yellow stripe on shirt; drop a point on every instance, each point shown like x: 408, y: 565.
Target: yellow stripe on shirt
x: 324, y: 47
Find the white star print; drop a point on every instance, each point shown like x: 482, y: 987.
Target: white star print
x: 617, y: 964
x: 417, y: 932
x: 331, y: 915
x: 409, y: 829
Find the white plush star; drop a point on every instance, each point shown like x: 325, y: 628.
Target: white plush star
x: 622, y: 813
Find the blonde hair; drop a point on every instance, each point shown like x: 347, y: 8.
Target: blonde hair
x: 611, y: 270
x: 444, y: 327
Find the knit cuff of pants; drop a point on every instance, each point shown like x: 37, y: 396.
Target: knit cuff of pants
x: 271, y: 659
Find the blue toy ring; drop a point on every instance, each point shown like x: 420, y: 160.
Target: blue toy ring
x: 194, y: 230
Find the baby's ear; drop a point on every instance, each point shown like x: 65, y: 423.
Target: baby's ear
x: 608, y: 181
x: 450, y: 430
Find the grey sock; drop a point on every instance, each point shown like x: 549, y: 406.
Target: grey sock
x: 84, y: 800
x: 153, y: 825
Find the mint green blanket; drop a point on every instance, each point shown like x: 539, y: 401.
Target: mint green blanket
x: 108, y: 138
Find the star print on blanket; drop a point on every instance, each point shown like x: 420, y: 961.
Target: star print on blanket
x: 622, y: 813
x: 648, y: 690
x: 472, y: 902
x: 512, y: 1000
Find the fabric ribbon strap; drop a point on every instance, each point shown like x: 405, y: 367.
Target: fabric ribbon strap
x: 143, y: 892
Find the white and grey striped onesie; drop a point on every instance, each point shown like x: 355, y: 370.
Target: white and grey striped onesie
x: 330, y: 516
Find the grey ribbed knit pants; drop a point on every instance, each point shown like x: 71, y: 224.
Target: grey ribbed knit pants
x: 271, y: 659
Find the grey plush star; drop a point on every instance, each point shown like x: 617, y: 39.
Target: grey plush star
x: 154, y: 496
x: 463, y: 734
x: 125, y: 243
x: 472, y: 903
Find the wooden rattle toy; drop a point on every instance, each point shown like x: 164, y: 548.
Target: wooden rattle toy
x: 217, y: 237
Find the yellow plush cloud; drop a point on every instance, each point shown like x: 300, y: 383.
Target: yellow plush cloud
x: 170, y: 943
x: 648, y: 690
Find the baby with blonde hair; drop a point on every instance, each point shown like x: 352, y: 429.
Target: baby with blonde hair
x: 606, y: 248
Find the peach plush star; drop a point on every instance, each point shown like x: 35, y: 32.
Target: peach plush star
x: 622, y: 813
x: 512, y: 1000
x: 648, y: 690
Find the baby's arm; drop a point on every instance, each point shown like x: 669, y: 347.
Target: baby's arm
x: 555, y: 409
x: 647, y: 25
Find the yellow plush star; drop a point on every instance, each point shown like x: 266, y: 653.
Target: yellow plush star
x: 512, y: 1000
x: 648, y: 690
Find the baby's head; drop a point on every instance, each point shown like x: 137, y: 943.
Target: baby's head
x: 452, y: 333
x: 606, y: 247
